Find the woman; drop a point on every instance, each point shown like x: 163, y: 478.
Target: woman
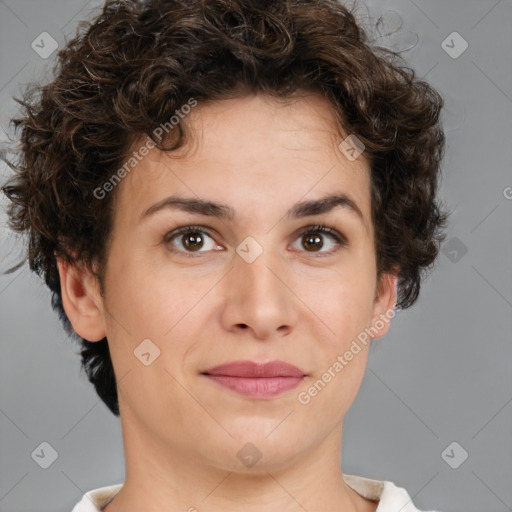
x: 233, y: 197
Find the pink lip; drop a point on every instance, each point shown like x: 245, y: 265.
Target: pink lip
x: 257, y: 380
x: 254, y: 369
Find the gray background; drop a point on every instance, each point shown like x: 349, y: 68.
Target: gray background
x: 441, y: 374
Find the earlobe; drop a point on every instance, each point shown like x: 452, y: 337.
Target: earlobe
x: 81, y: 300
x: 384, y: 305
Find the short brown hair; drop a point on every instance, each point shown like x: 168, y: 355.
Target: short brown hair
x: 128, y: 70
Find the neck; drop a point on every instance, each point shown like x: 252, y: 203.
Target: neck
x: 169, y: 478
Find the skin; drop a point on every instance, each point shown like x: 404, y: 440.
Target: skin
x: 181, y: 431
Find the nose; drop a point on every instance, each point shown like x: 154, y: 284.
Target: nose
x: 258, y: 298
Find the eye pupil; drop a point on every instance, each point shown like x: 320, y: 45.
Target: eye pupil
x: 193, y: 241
x: 312, y: 241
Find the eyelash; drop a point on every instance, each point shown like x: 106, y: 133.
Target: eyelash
x: 314, y: 229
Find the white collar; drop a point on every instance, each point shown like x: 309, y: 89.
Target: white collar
x: 390, y: 497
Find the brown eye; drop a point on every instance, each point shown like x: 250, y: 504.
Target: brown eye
x: 189, y: 240
x: 192, y: 241
x: 312, y: 242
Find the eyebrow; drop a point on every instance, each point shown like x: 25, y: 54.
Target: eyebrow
x: 223, y: 211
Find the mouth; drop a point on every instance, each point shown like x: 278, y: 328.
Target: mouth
x: 256, y: 380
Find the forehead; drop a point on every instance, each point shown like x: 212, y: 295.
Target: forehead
x: 254, y: 150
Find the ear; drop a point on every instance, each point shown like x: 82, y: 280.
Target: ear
x: 384, y: 304
x: 81, y: 300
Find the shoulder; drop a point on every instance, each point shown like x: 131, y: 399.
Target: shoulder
x: 390, y: 497
x: 96, y: 499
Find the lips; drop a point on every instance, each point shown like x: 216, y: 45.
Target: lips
x: 256, y: 380
x: 251, y: 369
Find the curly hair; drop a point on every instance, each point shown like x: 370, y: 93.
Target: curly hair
x: 127, y: 71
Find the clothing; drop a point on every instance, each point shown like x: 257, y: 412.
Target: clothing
x: 391, y: 498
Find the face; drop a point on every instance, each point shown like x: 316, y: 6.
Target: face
x: 251, y: 280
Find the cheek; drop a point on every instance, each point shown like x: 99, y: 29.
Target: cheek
x: 343, y: 304
x: 139, y: 296
x: 333, y: 390
x: 165, y: 305
x: 343, y: 310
